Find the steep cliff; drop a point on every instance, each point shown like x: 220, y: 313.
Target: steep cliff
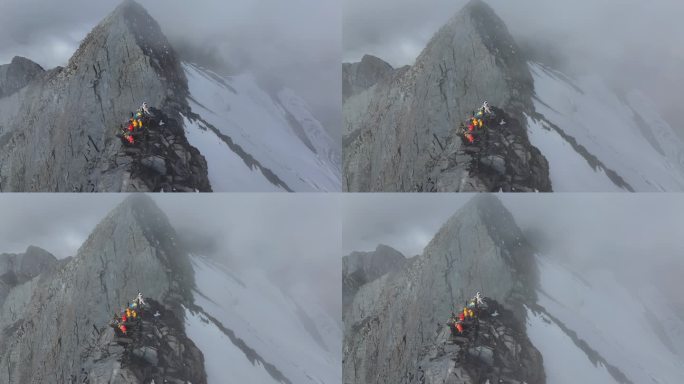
x: 17, y: 74
x: 393, y: 319
x: 359, y: 268
x: 58, y: 132
x: 495, y: 349
x: 51, y: 323
x: 16, y: 269
x: 396, y: 130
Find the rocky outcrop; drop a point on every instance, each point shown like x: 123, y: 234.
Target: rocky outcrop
x: 494, y: 349
x: 155, y: 349
x: 357, y: 77
x: 359, y: 268
x: 392, y: 318
x: 59, y: 133
x: 16, y: 269
x: 500, y: 157
x: 48, y: 324
x: 17, y: 74
x: 397, y: 132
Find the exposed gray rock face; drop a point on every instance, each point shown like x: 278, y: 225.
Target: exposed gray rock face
x: 359, y: 268
x: 17, y: 269
x: 396, y: 131
x: 156, y: 349
x: 494, y: 350
x: 357, y: 77
x: 500, y: 158
x: 49, y: 324
x: 17, y: 74
x: 393, y: 318
x: 58, y: 134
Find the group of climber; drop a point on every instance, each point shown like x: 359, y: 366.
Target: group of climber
x: 135, y: 125
x: 468, y: 317
x: 475, y: 124
x: 129, y: 315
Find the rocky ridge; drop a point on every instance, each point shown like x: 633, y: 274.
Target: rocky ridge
x: 495, y: 350
x: 50, y: 323
x: 58, y: 132
x: 391, y: 319
x: 396, y: 131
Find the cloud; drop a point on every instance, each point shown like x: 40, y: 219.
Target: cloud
x: 632, y: 43
x: 629, y: 233
x: 295, y: 238
x: 295, y: 43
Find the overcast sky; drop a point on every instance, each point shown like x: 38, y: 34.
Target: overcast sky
x: 588, y: 230
x: 295, y: 237
x: 297, y: 42
x: 634, y: 44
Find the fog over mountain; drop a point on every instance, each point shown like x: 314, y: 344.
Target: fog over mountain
x: 296, y: 44
x: 293, y: 238
x: 578, y: 272
x: 631, y: 43
x: 634, y: 235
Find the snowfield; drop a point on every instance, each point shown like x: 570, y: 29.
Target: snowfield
x: 275, y: 129
x: 290, y: 331
x: 625, y: 134
x: 223, y: 361
x: 630, y: 327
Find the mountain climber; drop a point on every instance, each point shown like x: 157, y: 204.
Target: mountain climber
x: 126, y: 137
x: 123, y: 329
x: 486, y: 109
x: 139, y: 299
x: 478, y: 299
x: 145, y: 108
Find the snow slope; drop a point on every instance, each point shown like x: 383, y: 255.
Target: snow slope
x: 222, y: 359
x: 276, y: 130
x: 625, y: 326
x: 227, y: 171
x: 564, y: 363
x: 292, y: 332
x: 625, y: 134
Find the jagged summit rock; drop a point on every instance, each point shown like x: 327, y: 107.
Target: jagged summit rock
x: 156, y: 349
x: 391, y: 319
x: 17, y: 269
x: 50, y: 322
x: 498, y: 351
x: 59, y: 134
x: 17, y: 74
x: 357, y: 77
x: 396, y: 134
x: 359, y: 268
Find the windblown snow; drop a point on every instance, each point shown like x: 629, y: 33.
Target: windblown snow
x: 276, y: 129
x: 292, y: 331
x: 625, y: 134
x: 222, y: 359
x: 632, y: 328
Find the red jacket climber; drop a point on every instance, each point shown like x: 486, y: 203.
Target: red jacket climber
x: 459, y: 327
